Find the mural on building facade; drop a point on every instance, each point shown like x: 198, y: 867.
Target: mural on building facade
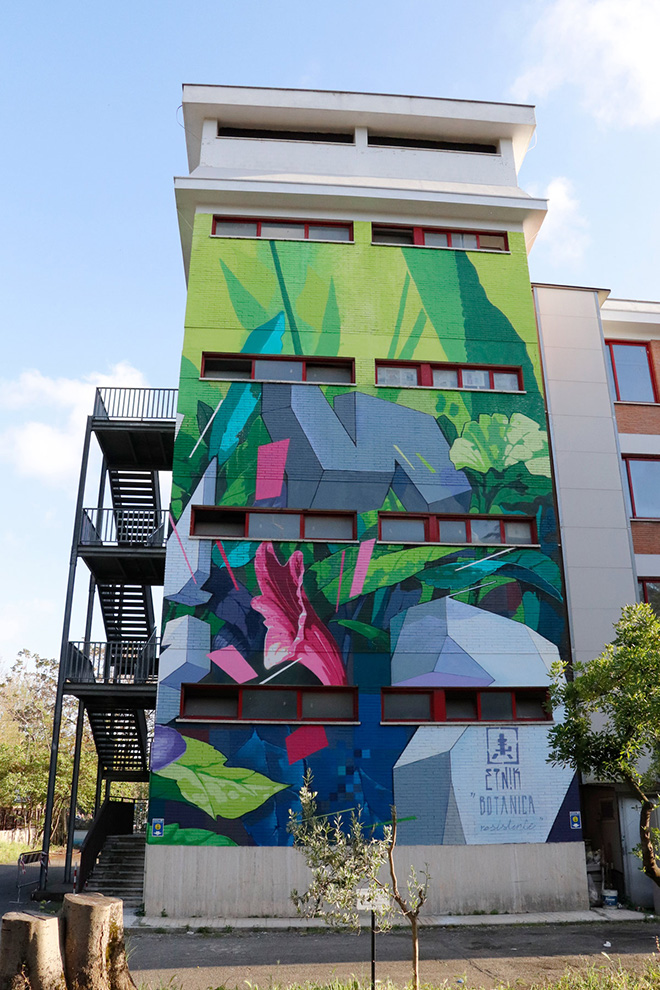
x: 364, y: 613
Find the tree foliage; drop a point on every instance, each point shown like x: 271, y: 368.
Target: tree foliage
x: 611, y: 724
x: 347, y: 864
x: 27, y: 702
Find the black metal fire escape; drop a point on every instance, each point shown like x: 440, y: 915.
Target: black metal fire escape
x: 123, y: 546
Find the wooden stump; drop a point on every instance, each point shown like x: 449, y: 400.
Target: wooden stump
x: 30, y: 957
x: 94, y: 951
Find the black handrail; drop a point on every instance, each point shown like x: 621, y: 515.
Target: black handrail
x: 123, y: 527
x: 135, y: 403
x: 126, y: 661
x: 113, y: 818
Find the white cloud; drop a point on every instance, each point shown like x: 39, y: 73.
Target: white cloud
x: 48, y: 447
x: 606, y: 49
x: 564, y: 233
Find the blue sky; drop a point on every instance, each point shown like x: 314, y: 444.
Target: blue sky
x: 93, y: 287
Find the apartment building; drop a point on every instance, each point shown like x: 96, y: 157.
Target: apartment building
x: 364, y: 575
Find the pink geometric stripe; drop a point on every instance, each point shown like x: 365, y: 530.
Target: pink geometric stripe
x: 271, y: 461
x: 361, y: 567
x: 305, y: 741
x: 231, y: 661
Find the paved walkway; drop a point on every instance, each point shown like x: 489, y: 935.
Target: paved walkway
x: 470, y: 952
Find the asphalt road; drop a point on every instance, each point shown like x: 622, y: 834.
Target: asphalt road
x: 466, y: 957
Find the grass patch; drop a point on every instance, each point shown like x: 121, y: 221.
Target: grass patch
x: 606, y: 976
x: 10, y: 851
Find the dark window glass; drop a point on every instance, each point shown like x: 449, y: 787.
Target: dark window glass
x: 227, y: 368
x: 327, y: 704
x: 329, y: 527
x: 496, y: 705
x: 452, y: 531
x: 235, y: 228
x: 645, y: 482
x: 414, y: 706
x: 393, y: 235
x: 317, y: 232
x: 633, y: 374
x: 283, y: 231
x: 329, y: 373
x: 212, y: 523
x: 461, y: 704
x: 492, y: 242
x: 652, y: 595
x: 485, y: 531
x: 211, y: 704
x: 507, y: 381
x: 273, y: 526
x: 400, y: 530
x: 517, y: 532
x: 435, y: 238
x: 278, y: 371
x: 269, y: 704
x: 529, y: 705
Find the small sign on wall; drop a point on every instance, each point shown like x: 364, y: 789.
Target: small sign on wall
x: 157, y: 828
x: 576, y: 819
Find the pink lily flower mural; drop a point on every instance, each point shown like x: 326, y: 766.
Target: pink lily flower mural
x: 295, y: 632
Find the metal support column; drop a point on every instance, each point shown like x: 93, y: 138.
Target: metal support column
x: 80, y: 724
x: 64, y: 654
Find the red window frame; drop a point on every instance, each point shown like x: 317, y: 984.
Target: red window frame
x: 627, y: 458
x: 188, y: 689
x: 344, y: 224
x: 247, y: 511
x: 253, y: 358
x: 642, y: 582
x: 418, y: 233
x: 438, y: 706
x: 649, y: 357
x: 425, y: 371
x: 432, y: 526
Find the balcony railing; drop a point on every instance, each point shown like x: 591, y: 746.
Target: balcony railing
x: 135, y: 403
x: 123, y: 527
x: 129, y: 661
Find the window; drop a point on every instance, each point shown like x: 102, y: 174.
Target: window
x: 461, y: 705
x: 644, y: 484
x: 282, y: 524
x: 484, y: 530
x: 649, y: 591
x: 431, y: 144
x: 282, y: 230
x: 465, y: 240
x: 412, y: 374
x: 257, y: 367
x: 631, y: 369
x: 263, y: 134
x: 266, y: 703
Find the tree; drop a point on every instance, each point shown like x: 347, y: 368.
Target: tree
x: 27, y: 701
x: 611, y: 725
x: 345, y: 861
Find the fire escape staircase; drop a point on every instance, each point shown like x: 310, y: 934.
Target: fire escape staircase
x: 123, y: 546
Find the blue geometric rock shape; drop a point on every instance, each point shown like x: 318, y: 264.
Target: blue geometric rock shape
x: 512, y: 801
x: 185, y: 640
x: 198, y: 552
x: 347, y: 457
x: 445, y: 643
x: 168, y: 705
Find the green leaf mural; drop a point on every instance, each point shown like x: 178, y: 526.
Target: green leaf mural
x: 496, y: 442
x: 173, y: 835
x: 204, y: 779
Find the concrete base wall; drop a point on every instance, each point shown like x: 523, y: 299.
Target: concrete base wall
x: 250, y: 882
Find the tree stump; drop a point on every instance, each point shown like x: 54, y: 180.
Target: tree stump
x: 30, y: 957
x: 94, y: 951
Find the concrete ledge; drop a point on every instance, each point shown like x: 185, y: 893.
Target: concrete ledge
x: 131, y: 921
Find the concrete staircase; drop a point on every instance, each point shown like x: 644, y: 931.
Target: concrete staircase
x: 119, y: 870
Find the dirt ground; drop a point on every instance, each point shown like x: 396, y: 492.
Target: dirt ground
x: 464, y: 957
